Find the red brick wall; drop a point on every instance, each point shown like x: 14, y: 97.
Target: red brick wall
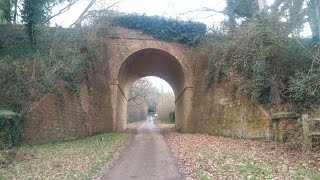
x: 66, y: 115
x: 220, y: 111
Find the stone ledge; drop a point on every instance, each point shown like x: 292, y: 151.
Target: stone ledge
x: 5, y: 114
x: 315, y: 133
x: 285, y: 115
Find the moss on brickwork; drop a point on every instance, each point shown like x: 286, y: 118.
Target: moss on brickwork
x: 10, y: 129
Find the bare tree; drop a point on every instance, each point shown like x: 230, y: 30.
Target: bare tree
x: 142, y: 91
x: 142, y: 95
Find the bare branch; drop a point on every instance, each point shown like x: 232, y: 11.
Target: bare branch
x: 202, y: 9
x: 63, y: 10
x: 142, y: 91
x: 83, y: 14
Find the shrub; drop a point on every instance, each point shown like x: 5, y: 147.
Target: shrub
x: 172, y: 116
x: 279, y: 69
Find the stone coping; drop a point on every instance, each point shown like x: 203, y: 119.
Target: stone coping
x: 285, y: 115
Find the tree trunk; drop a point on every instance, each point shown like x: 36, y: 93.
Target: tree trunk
x: 318, y: 18
x: 230, y: 12
x: 7, y: 11
x: 314, y: 18
x: 15, y: 12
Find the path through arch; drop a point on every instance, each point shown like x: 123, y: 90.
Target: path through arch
x: 151, y: 62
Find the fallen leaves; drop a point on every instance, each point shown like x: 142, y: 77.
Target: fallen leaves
x: 79, y: 159
x: 208, y: 157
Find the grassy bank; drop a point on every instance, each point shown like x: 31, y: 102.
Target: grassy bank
x: 78, y: 159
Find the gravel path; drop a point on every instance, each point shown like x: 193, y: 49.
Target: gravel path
x: 148, y: 157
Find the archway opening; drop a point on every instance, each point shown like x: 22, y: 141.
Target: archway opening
x: 151, y: 98
x: 149, y: 62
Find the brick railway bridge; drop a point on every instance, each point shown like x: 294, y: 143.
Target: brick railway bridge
x: 102, y: 103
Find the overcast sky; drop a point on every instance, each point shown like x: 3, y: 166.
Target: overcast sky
x: 167, y: 8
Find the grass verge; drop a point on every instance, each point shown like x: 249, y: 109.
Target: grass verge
x: 78, y: 159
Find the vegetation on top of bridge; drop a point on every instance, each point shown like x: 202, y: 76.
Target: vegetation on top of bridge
x: 186, y: 32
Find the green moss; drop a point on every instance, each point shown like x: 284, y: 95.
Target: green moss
x: 202, y: 176
x: 10, y: 129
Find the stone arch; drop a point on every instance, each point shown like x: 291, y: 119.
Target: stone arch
x: 150, y: 62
